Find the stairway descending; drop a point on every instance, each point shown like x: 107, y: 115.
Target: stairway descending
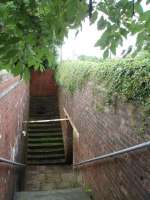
x: 45, y: 140
x: 47, y: 177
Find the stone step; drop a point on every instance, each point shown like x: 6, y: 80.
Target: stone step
x: 45, y: 140
x: 45, y: 150
x: 45, y: 145
x: 38, y: 117
x: 43, y: 112
x: 44, y: 130
x: 46, y: 114
x: 46, y: 107
x: 44, y: 124
x: 45, y: 156
x: 46, y: 98
x: 41, y: 101
x: 65, y: 194
x: 46, y: 162
x: 45, y: 102
x: 44, y: 135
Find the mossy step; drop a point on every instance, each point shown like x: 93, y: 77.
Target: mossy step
x: 44, y: 107
x: 44, y: 117
x: 45, y: 150
x: 41, y: 125
x: 44, y: 112
x: 45, y: 156
x: 44, y: 135
x: 42, y: 140
x: 47, y: 162
x: 44, y: 128
x: 56, y: 130
x: 41, y: 101
x: 48, y: 102
x: 43, y: 145
x: 59, y: 194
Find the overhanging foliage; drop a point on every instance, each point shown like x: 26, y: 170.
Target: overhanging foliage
x: 30, y: 30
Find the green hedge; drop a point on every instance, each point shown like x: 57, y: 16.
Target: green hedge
x: 126, y: 78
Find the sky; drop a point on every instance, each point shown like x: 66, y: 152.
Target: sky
x: 83, y: 43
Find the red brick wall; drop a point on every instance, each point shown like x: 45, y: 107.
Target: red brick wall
x: 105, y: 131
x: 13, y: 110
x: 42, y: 83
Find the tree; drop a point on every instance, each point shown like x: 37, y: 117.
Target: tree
x: 118, y: 19
x: 30, y: 30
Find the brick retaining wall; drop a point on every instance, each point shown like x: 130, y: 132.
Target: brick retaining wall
x: 42, y: 83
x: 103, y: 131
x: 13, y: 110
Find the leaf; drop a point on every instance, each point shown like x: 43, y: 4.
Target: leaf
x: 26, y: 74
x: 101, y: 24
x: 106, y: 53
x: 113, y: 47
x: 104, y: 40
x: 147, y: 2
x: 138, y: 8
x: 94, y: 17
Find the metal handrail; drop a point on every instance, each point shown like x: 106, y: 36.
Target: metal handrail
x: 114, y: 154
x: 11, y: 162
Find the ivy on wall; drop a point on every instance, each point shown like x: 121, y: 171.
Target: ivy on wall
x: 128, y: 79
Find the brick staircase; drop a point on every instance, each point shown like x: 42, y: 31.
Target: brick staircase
x: 47, y: 177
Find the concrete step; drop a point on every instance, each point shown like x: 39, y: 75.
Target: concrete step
x: 65, y: 194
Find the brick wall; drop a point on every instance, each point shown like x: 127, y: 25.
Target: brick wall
x: 42, y: 83
x: 13, y: 110
x: 103, y: 130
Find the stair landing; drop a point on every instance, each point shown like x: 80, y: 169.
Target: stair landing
x: 67, y: 194
x: 46, y: 178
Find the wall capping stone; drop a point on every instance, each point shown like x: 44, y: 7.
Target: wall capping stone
x: 10, y: 88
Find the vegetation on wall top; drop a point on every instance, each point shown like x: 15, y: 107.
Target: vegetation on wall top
x: 126, y: 78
